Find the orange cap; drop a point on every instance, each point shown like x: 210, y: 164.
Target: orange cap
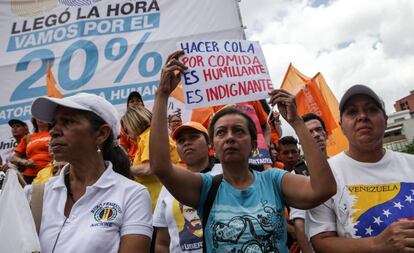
x: 189, y: 125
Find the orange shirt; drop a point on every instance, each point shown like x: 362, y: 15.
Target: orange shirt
x: 278, y: 165
x: 130, y: 146
x: 37, y: 150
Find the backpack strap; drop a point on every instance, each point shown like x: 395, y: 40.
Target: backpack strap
x: 37, y: 204
x: 211, y: 196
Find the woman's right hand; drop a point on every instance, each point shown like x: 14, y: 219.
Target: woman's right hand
x: 170, y: 74
x: 286, y: 103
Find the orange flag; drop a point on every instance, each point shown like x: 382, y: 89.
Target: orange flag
x: 178, y: 93
x: 311, y: 99
x: 314, y: 95
x: 51, y: 85
x: 202, y: 115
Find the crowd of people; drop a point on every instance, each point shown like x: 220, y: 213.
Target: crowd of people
x: 172, y: 186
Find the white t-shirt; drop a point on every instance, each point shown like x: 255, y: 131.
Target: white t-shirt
x: 112, y: 207
x: 183, y: 222
x: 370, y: 196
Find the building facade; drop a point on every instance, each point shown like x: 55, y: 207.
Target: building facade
x: 400, y: 130
x: 406, y: 103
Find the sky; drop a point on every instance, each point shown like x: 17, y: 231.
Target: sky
x: 348, y: 41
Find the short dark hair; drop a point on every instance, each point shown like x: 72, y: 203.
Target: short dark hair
x: 310, y: 116
x: 286, y: 140
x: 232, y: 110
x: 134, y: 94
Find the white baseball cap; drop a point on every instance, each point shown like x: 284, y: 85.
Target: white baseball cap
x: 44, y: 108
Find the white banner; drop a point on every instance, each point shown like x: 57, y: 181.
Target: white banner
x: 108, y: 47
x: 224, y: 72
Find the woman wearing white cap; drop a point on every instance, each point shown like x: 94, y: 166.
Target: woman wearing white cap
x: 92, y: 206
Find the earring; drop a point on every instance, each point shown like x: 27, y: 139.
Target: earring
x: 98, y: 149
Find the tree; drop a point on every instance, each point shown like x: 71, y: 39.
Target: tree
x: 409, y: 148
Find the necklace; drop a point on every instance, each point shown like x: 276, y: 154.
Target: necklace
x: 69, y: 190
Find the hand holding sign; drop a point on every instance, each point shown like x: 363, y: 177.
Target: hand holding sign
x: 286, y: 104
x: 170, y: 74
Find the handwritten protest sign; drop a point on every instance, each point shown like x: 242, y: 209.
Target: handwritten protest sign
x: 223, y: 72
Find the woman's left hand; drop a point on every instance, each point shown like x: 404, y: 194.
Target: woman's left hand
x: 170, y: 74
x: 286, y: 104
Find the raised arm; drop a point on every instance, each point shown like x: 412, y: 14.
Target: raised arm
x: 299, y: 191
x: 184, y: 185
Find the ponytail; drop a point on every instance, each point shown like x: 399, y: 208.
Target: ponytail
x: 114, y: 153
x: 111, y: 150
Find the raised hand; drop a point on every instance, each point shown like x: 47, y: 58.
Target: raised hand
x: 286, y: 104
x: 170, y: 74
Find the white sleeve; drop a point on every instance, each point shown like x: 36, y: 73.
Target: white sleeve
x: 322, y: 218
x: 159, y: 212
x: 297, y: 214
x: 217, y: 169
x: 138, y: 214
